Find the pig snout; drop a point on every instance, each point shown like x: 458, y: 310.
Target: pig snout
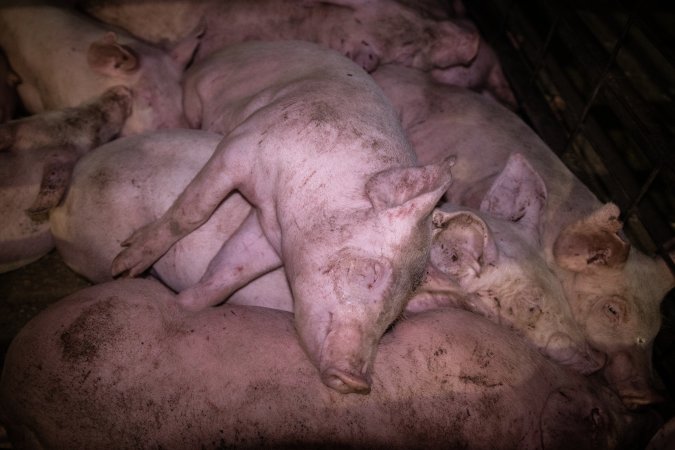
x: 345, y: 360
x: 456, y: 46
x: 582, y: 358
x: 630, y: 375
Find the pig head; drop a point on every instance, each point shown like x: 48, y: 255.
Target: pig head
x: 496, y: 267
x: 38, y: 154
x: 64, y: 59
x: 615, y: 294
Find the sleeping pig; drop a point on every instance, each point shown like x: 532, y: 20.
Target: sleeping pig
x: 121, y: 365
x: 602, y: 276
x: 314, y: 145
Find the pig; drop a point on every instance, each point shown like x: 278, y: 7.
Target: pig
x: 8, y: 97
x: 602, y: 275
x: 37, y: 155
x: 303, y: 125
x: 120, y: 365
x: 131, y: 181
x: 64, y: 59
x: 370, y: 32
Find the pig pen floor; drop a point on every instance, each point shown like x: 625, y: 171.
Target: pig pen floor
x: 27, y: 291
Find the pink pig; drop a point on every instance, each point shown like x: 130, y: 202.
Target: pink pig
x: 313, y: 144
x: 120, y: 365
x: 603, y: 277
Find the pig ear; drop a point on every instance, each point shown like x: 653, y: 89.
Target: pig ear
x: 592, y: 241
x: 518, y: 194
x: 183, y: 52
x: 415, y: 188
x: 462, y: 244
x: 108, y: 57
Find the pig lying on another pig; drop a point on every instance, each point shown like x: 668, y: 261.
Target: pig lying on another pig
x: 313, y: 144
x: 64, y: 59
x: 130, y: 182
x: 369, y: 32
x: 603, y: 277
x: 120, y: 365
x: 37, y: 155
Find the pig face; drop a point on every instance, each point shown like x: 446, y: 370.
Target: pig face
x: 496, y: 266
x: 606, y: 287
x: 389, y: 32
x: 344, y: 304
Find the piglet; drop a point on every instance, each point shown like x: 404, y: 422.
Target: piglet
x: 312, y: 143
x: 121, y: 365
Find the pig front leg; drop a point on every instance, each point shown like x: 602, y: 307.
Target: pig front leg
x: 242, y: 258
x: 191, y: 209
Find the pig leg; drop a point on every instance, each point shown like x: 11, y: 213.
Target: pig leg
x: 242, y: 258
x: 191, y: 209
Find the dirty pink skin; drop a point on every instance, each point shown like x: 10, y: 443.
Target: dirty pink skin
x: 8, y: 96
x: 604, y: 283
x: 356, y: 255
x: 64, y: 59
x: 130, y: 182
x: 121, y: 365
x: 369, y: 32
x: 37, y: 155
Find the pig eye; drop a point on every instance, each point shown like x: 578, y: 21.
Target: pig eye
x: 534, y: 310
x: 640, y: 341
x: 614, y: 311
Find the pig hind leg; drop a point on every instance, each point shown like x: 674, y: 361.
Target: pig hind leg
x: 242, y: 258
x: 192, y: 208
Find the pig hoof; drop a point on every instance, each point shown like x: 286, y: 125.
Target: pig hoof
x: 344, y: 382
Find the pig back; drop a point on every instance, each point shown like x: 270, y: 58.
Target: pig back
x: 119, y: 364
